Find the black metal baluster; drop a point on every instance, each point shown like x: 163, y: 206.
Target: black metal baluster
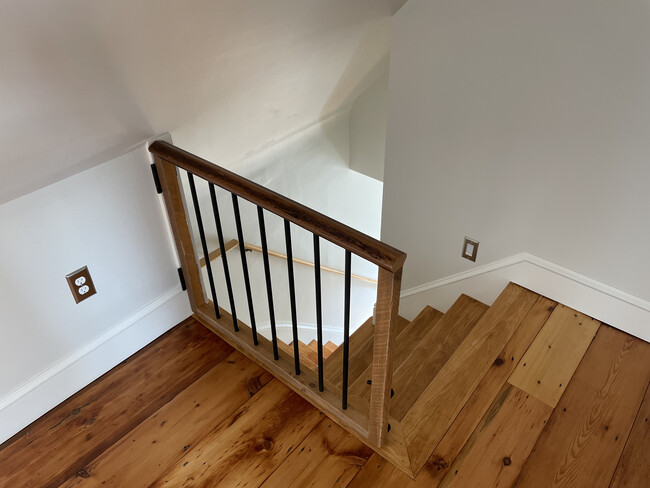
x: 319, y: 313
x: 224, y: 257
x: 346, y: 329
x: 269, y: 289
x: 292, y: 295
x: 204, y: 245
x: 247, y: 282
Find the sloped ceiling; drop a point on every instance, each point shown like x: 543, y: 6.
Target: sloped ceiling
x: 82, y: 81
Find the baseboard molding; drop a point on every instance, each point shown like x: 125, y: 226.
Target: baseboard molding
x: 43, y: 392
x: 591, y: 297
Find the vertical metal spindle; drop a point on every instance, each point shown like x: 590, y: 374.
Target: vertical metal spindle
x: 346, y: 329
x: 292, y: 295
x: 224, y: 257
x: 319, y: 312
x: 242, y: 252
x: 269, y: 289
x: 204, y: 245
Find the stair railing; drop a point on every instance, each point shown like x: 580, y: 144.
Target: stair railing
x: 372, y: 425
x: 252, y: 247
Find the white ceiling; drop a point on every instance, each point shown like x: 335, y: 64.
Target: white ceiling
x: 82, y: 81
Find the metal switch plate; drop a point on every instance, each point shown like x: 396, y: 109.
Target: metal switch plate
x: 81, y: 284
x: 470, y: 249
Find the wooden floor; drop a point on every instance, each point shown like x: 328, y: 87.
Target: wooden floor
x: 571, y: 410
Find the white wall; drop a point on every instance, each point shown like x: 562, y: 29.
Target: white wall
x: 110, y: 219
x: 368, y: 122
x: 525, y: 125
x: 83, y: 82
x: 311, y: 167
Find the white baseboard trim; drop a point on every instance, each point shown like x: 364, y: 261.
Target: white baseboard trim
x: 43, y: 392
x: 587, y: 295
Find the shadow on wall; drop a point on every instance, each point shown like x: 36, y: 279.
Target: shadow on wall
x: 368, y: 63
x: 65, y: 69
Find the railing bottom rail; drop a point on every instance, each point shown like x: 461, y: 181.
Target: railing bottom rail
x: 305, y: 384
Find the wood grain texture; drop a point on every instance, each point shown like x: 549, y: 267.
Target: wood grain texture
x: 308, y: 357
x: 167, y: 435
x: 428, y: 420
x: 461, y: 429
x: 249, y: 444
x: 305, y: 384
x: 362, y: 245
x: 548, y: 365
x: 77, y: 431
x: 495, y: 453
x: 432, y: 352
x: 328, y: 348
x: 585, y: 436
x: 178, y: 220
x: 395, y: 449
x: 409, y: 336
x: 360, y: 345
x: 380, y: 473
x: 633, y: 470
x: 216, y: 254
x: 329, y: 456
x: 598, y: 432
x: 388, y: 290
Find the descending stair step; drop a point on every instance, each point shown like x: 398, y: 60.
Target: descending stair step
x: 357, y: 339
x: 409, y: 335
x: 435, y: 410
x: 308, y: 357
x: 429, y: 356
x: 361, y: 344
x: 328, y: 348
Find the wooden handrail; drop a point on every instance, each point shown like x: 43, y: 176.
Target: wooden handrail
x: 373, y: 250
x: 371, y: 428
x: 252, y: 247
x: 216, y: 254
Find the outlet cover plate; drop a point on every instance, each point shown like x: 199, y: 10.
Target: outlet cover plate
x: 81, y: 284
x: 470, y: 249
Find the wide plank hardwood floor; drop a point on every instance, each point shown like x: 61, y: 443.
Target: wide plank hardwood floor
x: 190, y: 411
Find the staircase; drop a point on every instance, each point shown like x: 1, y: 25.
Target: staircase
x: 438, y: 361
x: 398, y: 385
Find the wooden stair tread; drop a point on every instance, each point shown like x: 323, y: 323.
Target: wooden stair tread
x: 328, y: 348
x: 360, y: 353
x: 448, y: 449
x: 432, y: 352
x: 333, y: 365
x: 554, y: 355
x: 308, y: 357
x: 408, y: 335
x: 435, y: 410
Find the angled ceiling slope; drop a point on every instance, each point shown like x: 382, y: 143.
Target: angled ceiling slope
x: 84, y: 81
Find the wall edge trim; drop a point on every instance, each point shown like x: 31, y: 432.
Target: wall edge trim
x: 71, y: 374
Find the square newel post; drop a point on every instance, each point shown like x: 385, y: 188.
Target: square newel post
x: 388, y: 290
x: 174, y: 203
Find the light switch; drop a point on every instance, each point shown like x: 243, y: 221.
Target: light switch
x: 470, y: 249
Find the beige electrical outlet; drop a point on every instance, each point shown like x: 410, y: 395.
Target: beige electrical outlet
x: 81, y: 284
